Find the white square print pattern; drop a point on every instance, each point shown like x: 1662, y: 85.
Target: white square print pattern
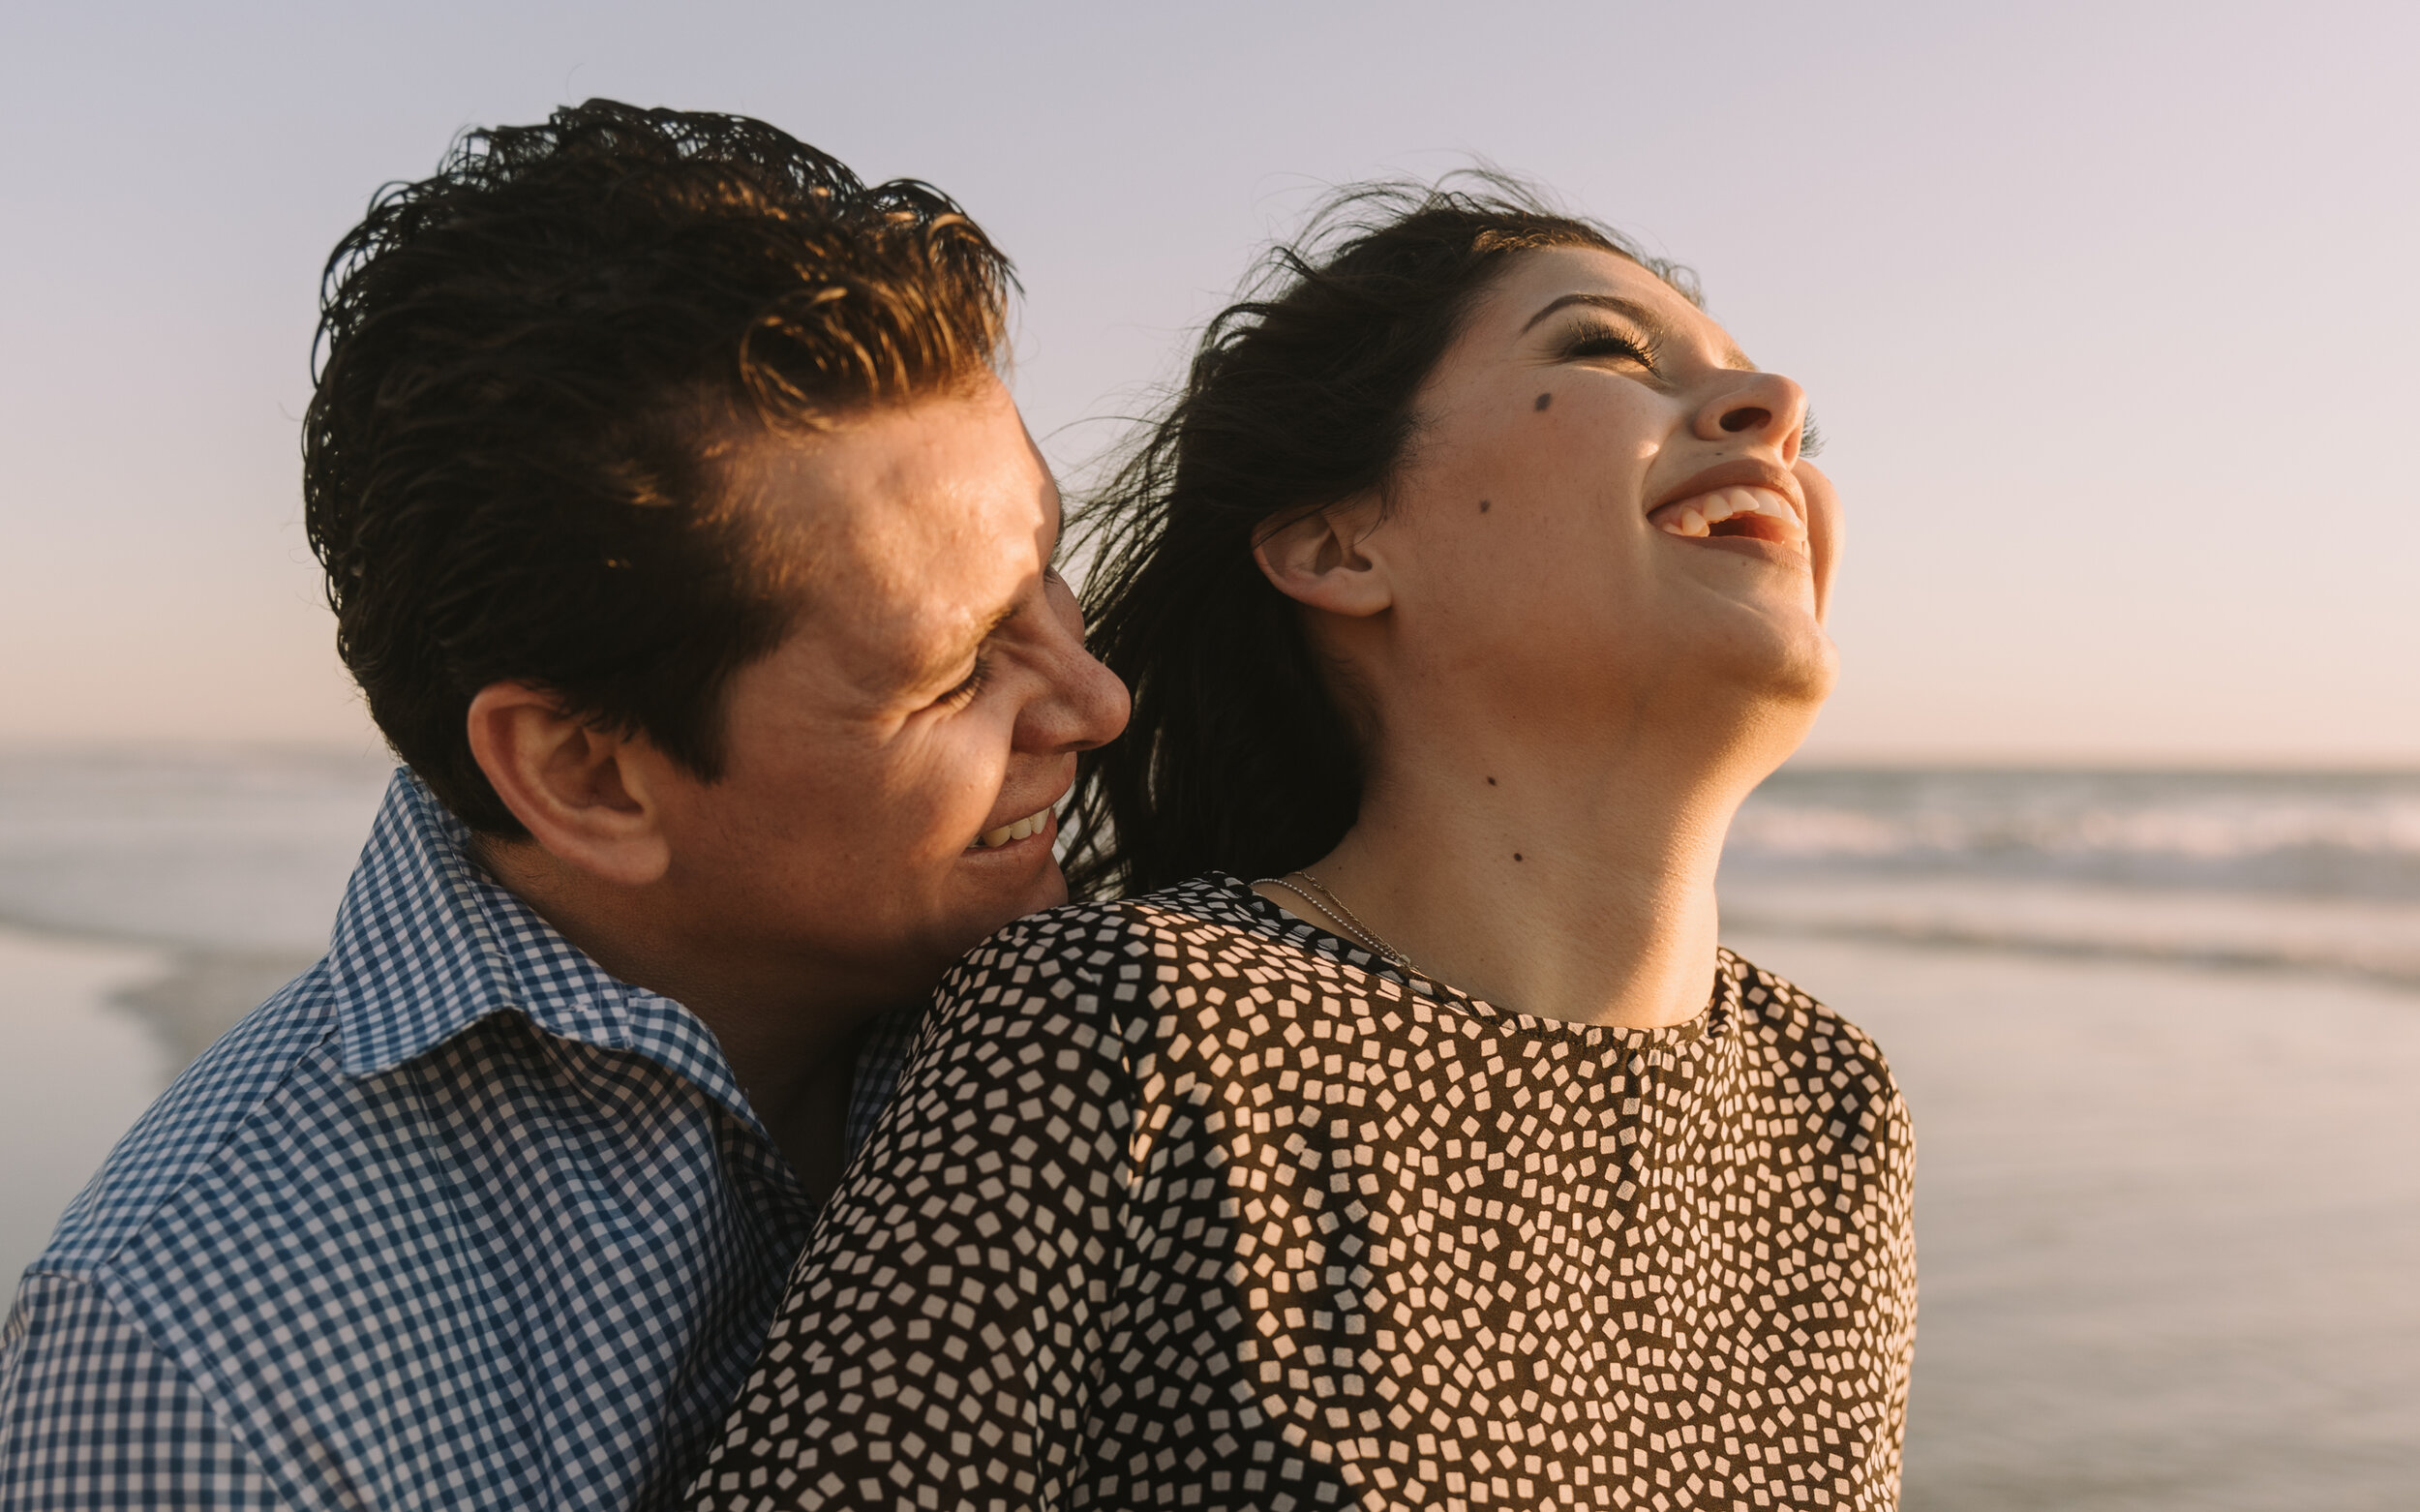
x: 1186, y: 1204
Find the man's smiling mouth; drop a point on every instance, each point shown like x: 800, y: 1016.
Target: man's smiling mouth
x: 1742, y: 510
x: 1008, y: 833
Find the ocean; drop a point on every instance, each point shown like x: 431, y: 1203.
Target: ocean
x: 2159, y: 1032
x: 2313, y: 872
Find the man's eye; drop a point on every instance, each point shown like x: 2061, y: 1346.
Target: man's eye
x: 964, y: 693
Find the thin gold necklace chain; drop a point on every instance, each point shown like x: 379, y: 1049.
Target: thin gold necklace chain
x: 1335, y: 908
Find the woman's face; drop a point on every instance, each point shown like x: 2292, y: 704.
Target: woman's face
x: 1603, y: 508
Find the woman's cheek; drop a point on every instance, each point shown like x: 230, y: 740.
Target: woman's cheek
x: 1825, y: 528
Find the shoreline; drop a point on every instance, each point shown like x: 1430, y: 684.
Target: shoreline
x: 195, y: 994
x: 78, y: 1073
x: 97, y: 1027
x: 2244, y: 962
x: 202, y: 994
x: 2371, y: 941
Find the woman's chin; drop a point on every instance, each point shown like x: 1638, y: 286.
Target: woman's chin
x: 1771, y: 645
x: 1808, y: 670
x: 1772, y: 679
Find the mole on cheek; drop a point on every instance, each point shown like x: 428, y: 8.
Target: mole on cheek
x: 1516, y: 855
x: 1543, y: 401
x: 1483, y: 506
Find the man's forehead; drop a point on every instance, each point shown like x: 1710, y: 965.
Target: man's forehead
x: 903, y: 541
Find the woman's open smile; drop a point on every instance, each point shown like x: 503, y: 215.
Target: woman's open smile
x: 1738, y: 502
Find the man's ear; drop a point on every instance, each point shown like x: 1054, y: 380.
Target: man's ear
x: 586, y: 796
x: 1320, y: 561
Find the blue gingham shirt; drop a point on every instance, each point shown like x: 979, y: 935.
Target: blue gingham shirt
x: 455, y: 1220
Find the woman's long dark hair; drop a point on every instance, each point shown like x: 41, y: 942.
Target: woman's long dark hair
x: 1240, y: 757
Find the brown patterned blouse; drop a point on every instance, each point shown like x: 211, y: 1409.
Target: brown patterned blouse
x: 1185, y: 1203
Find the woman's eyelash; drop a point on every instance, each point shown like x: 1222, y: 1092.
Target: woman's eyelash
x: 1595, y: 339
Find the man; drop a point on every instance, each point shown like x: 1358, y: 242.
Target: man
x: 690, y: 552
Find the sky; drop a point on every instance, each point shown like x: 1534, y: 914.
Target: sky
x: 2107, y: 311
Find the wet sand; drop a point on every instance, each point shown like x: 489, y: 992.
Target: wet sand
x: 2168, y: 1225
x: 76, y: 1074
x: 95, y: 1029
x: 198, y: 996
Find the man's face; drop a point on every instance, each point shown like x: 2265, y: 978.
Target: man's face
x: 883, y: 763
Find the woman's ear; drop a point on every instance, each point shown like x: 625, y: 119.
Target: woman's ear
x: 1321, y: 559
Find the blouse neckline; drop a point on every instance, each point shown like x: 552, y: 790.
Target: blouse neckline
x: 1722, y: 1001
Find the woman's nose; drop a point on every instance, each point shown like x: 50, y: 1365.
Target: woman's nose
x: 1755, y: 406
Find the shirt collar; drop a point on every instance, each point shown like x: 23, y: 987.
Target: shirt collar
x: 428, y: 944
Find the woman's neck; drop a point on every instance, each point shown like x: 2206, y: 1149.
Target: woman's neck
x: 1575, y: 882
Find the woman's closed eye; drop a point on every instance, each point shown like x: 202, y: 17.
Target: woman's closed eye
x: 1596, y: 338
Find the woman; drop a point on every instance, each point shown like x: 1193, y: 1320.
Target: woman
x: 1467, y: 587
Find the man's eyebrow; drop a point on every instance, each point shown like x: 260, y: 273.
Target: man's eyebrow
x: 945, y: 663
x: 1638, y: 314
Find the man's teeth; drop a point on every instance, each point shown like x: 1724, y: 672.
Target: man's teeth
x: 1698, y: 516
x: 1031, y: 823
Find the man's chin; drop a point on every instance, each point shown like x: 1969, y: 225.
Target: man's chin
x: 1051, y: 891
x: 1046, y: 890
x: 1003, y: 905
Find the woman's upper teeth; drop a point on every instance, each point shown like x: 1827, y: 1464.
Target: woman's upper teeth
x: 1695, y: 516
x: 1031, y: 823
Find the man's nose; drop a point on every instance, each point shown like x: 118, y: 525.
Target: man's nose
x: 1086, y: 705
x: 1100, y: 701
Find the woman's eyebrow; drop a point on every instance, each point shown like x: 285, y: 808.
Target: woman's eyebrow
x: 1634, y: 311
x: 1639, y: 315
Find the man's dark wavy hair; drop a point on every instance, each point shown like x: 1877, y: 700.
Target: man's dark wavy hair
x: 1240, y: 756
x: 533, y: 369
